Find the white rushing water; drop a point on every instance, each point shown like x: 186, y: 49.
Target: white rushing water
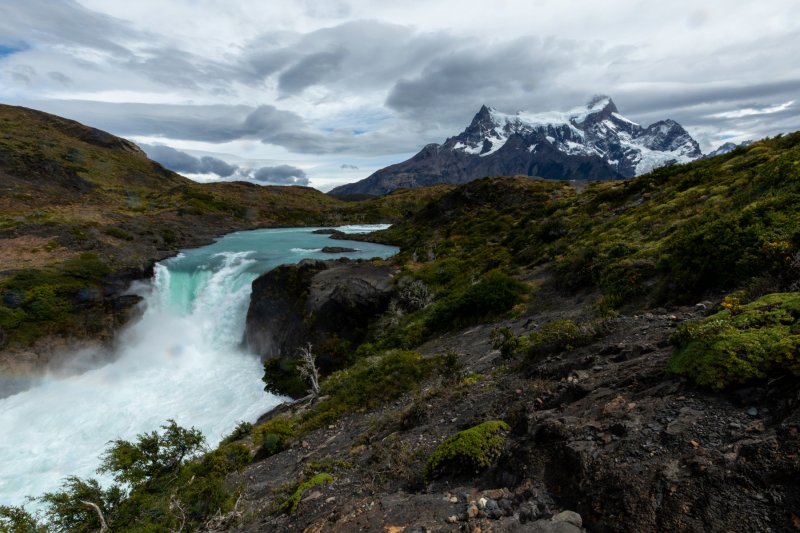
x: 182, y: 361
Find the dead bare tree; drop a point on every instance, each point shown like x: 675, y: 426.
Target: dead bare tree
x: 103, y: 525
x: 308, y: 368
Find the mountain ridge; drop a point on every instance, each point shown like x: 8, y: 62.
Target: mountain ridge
x: 593, y: 142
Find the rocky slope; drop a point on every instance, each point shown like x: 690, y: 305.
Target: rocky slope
x: 594, y: 142
x: 599, y: 430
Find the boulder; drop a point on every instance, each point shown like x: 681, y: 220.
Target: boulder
x: 317, y: 302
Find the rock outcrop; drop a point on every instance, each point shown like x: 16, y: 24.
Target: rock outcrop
x: 318, y: 302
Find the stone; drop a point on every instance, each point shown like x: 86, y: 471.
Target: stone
x: 752, y: 412
x: 315, y: 301
x: 482, y: 503
x: 570, y: 517
x: 472, y: 510
x: 452, y: 519
x: 337, y: 250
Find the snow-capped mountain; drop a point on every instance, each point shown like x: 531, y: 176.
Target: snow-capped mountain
x: 727, y: 148
x: 591, y: 142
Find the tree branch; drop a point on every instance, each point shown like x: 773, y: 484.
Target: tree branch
x: 103, y: 525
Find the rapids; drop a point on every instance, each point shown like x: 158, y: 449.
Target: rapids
x: 182, y: 360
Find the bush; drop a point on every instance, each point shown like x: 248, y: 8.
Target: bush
x: 556, y: 336
x: 741, y: 342
x: 282, y: 377
x: 369, y: 383
x: 468, y: 451
x: 164, y: 485
x: 272, y: 437
x: 495, y: 293
x: 118, y: 233
x: 241, y: 431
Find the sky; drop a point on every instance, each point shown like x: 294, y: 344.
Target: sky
x: 325, y: 92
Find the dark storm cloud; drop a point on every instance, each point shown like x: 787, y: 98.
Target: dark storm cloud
x: 354, y: 56
x: 310, y: 70
x: 209, y: 123
x: 508, y: 75
x: 281, y: 175
x: 182, y: 162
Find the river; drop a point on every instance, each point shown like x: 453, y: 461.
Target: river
x: 182, y: 360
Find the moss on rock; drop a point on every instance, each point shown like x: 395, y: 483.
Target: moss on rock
x: 741, y: 342
x: 468, y: 451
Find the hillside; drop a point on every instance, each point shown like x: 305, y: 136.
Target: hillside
x: 83, y: 213
x: 583, y: 361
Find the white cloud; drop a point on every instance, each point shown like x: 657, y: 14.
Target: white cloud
x: 330, y: 82
x: 750, y: 111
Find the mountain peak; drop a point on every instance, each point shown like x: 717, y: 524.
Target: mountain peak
x: 600, y: 102
x: 591, y: 141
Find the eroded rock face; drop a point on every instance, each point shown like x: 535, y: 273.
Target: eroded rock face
x: 315, y: 301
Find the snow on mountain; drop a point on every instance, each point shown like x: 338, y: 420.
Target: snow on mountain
x: 596, y: 129
x: 591, y: 142
x: 727, y: 147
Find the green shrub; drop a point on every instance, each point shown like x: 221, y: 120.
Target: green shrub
x: 369, y: 383
x: 503, y: 339
x: 282, y: 377
x: 468, y: 451
x: 556, y: 336
x: 118, y: 233
x: 495, y: 293
x: 272, y: 436
x: 741, y: 343
x: 18, y: 520
x: 241, y: 431
x: 164, y: 485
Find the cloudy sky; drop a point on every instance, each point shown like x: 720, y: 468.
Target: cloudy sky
x: 324, y: 92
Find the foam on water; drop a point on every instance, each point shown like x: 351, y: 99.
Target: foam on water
x: 181, y: 360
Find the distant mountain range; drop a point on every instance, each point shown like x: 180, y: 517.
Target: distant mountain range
x: 590, y: 142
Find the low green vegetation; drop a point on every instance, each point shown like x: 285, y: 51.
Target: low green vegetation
x: 370, y: 382
x: 282, y: 377
x: 493, y: 294
x: 163, y: 482
x: 273, y: 436
x: 290, y: 503
x: 118, y: 233
x: 468, y: 451
x: 38, y: 302
x: 741, y: 342
x: 551, y: 338
x: 670, y: 236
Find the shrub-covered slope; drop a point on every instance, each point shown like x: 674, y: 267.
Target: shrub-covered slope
x: 669, y: 236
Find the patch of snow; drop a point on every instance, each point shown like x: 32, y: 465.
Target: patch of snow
x: 623, y: 119
x: 473, y: 150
